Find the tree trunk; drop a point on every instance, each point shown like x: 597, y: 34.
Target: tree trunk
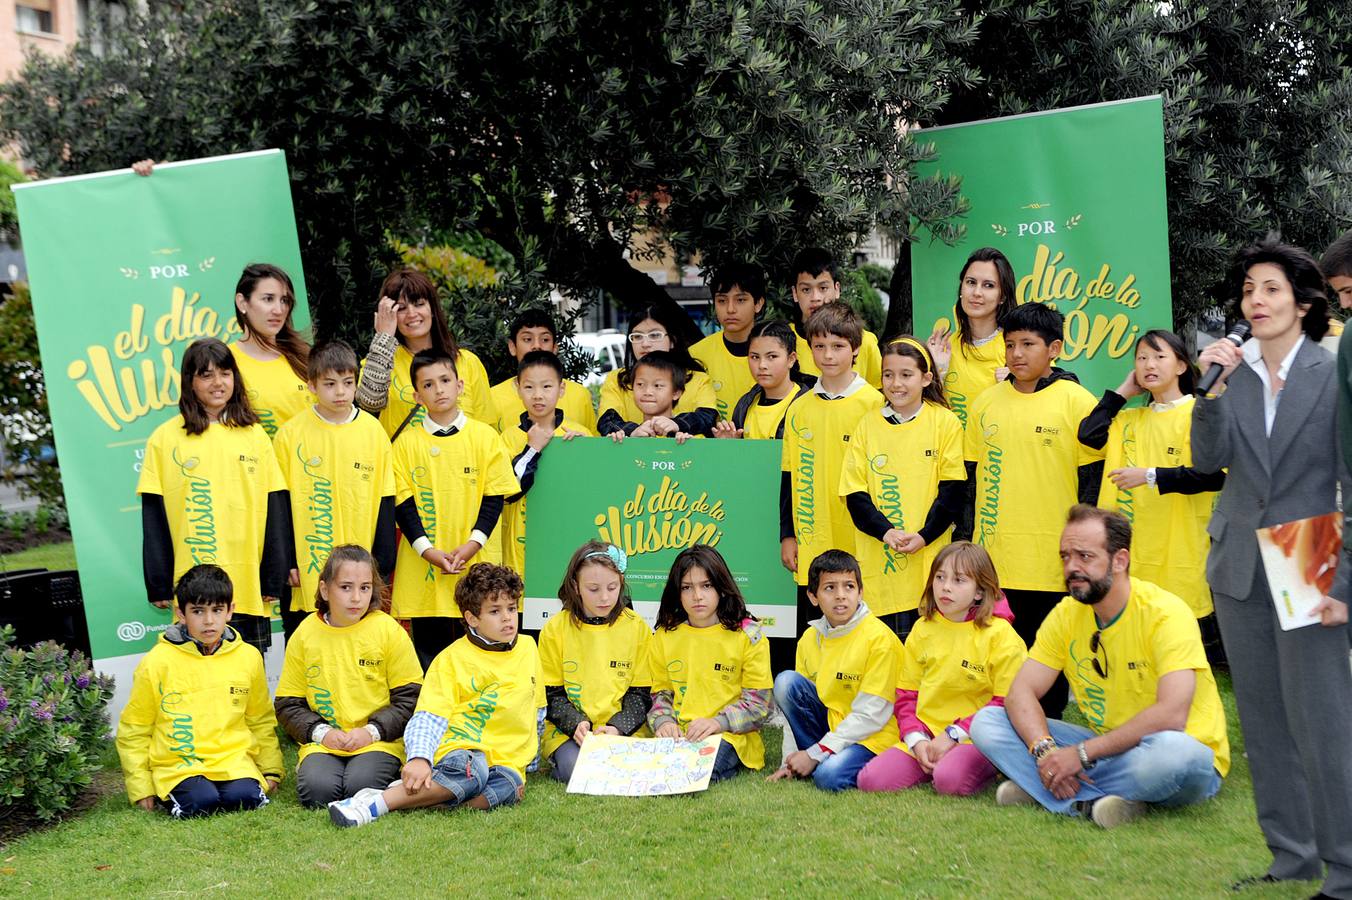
x: 900, y: 310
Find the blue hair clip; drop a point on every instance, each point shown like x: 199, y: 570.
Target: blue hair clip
x: 614, y: 554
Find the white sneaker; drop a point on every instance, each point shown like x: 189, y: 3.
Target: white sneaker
x: 359, y: 809
x: 1112, y: 810
x: 1010, y: 794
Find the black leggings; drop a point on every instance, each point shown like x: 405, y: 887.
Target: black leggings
x: 432, y: 634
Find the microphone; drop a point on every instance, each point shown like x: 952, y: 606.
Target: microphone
x: 1237, y: 336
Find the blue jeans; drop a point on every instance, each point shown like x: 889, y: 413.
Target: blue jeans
x: 200, y: 796
x: 797, y: 699
x: 1168, y: 768
x: 467, y: 774
x: 726, y: 764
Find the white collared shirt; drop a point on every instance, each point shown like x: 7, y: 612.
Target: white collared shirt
x: 348, y: 421
x: 1170, y: 404
x: 458, y: 423
x: 1253, y: 355
x: 858, y: 384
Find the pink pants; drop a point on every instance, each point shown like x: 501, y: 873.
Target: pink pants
x: 962, y: 771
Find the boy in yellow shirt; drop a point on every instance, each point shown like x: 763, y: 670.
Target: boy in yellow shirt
x: 475, y: 729
x: 813, y: 517
x: 336, y: 463
x: 838, y: 700
x: 815, y: 282
x: 659, y: 381
x: 452, y: 475
x: 1028, y: 467
x: 541, y: 383
x: 535, y: 330
x: 739, y: 296
x: 199, y: 735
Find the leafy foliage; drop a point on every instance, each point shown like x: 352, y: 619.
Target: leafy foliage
x: 52, y: 725
x: 1256, y: 93
x: 25, y: 423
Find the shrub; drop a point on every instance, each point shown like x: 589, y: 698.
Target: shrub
x: 52, y: 723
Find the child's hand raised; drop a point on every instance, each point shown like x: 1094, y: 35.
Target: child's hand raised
x: 539, y: 436
x: 417, y: 774
x: 700, y: 729
x: 668, y: 730
x: 461, y: 556
x: 439, y: 558
x: 725, y: 429
x: 940, y: 350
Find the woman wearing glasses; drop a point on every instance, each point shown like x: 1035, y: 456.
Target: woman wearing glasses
x: 696, y: 411
x: 1272, y: 425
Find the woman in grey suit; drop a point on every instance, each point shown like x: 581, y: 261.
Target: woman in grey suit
x: 1272, y: 424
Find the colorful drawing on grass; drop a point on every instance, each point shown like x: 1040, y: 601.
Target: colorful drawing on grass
x: 617, y: 766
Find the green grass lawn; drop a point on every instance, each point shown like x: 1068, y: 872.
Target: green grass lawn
x: 744, y: 838
x: 49, y: 556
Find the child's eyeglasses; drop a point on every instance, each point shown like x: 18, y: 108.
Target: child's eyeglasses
x: 648, y: 336
x: 1094, y: 645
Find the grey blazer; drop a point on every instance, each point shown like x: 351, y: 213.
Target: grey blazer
x: 1290, y: 475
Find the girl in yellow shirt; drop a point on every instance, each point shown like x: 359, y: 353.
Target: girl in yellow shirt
x: 349, y: 685
x: 271, y: 355
x: 971, y: 357
x: 759, y: 413
x: 409, y: 318
x: 903, y: 481
x: 1148, y: 474
x: 710, y: 663
x: 594, y: 653
x: 212, y: 492
x: 652, y: 329
x: 956, y: 662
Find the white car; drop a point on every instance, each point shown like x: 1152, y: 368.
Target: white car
x: 606, y: 347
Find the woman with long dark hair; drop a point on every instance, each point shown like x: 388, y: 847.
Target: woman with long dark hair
x: 271, y: 354
x: 971, y: 357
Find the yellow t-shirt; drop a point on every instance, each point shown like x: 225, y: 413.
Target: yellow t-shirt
x: 513, y: 526
x: 900, y: 467
x: 1027, y: 454
x: 345, y: 674
x: 576, y: 405
x: 971, y: 370
x: 595, y: 664
x: 698, y: 394
x: 448, y: 477
x: 730, y: 375
x: 868, y: 362
x: 275, y: 391
x: 816, y: 436
x: 190, y: 715
x: 1169, y: 542
x: 706, y: 669
x: 957, y: 667
x: 1154, y: 635
x: 474, y: 400
x: 864, y: 660
x: 762, y: 422
x: 490, y: 700
x: 337, y: 475
x: 215, y: 487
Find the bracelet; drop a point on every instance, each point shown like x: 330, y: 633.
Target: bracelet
x: 1084, y: 756
x: 1042, y: 746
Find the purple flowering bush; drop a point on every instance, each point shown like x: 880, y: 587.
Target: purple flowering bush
x: 53, y: 722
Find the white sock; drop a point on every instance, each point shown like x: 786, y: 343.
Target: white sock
x: 381, y: 806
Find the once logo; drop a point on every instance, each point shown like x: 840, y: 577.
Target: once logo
x: 131, y: 631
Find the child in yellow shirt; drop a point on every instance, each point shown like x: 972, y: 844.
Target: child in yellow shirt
x: 198, y: 735
x: 349, y: 684
x: 710, y: 663
x: 452, y: 476
x: 650, y: 330
x: 659, y: 383
x: 594, y: 653
x: 814, y: 280
x: 535, y: 330
x: 959, y: 658
x: 474, y: 731
x: 738, y: 291
x: 759, y: 413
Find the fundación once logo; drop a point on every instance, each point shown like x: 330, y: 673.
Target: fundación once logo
x: 135, y: 631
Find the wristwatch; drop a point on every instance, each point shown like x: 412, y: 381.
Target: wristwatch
x: 954, y: 734
x: 1084, y: 757
x: 1150, y: 477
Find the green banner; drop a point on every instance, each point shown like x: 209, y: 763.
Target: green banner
x: 127, y: 271
x: 1075, y: 198
x: 653, y: 498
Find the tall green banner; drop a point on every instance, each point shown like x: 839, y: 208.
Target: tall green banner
x: 125, y: 272
x: 1075, y: 199
x: 652, y: 498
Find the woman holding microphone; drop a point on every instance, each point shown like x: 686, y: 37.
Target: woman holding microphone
x: 1271, y: 420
